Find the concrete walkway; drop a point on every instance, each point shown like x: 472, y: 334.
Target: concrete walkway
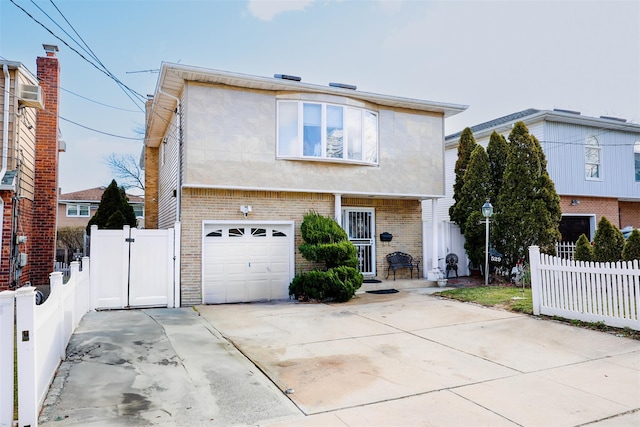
x: 404, y: 359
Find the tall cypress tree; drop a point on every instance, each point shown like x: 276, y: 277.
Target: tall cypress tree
x: 465, y: 147
x: 473, y: 194
x: 114, y: 210
x: 529, y: 205
x: 497, y: 151
x: 608, y: 242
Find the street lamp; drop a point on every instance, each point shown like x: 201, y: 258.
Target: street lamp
x: 487, y: 212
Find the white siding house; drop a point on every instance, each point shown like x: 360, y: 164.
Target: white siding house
x: 594, y: 163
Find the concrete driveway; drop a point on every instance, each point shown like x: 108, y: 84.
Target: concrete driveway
x: 410, y: 359
x: 404, y: 359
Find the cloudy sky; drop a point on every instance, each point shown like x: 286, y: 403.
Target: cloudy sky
x: 498, y: 57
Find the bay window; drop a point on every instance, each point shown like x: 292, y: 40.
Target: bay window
x: 314, y: 130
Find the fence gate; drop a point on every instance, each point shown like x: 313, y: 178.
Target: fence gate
x: 133, y: 268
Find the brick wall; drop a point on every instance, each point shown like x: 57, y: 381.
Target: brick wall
x: 42, y: 236
x: 401, y: 218
x: 600, y: 206
x: 151, y: 187
x: 629, y: 214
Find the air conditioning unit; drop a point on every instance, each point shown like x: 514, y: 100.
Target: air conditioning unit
x: 30, y: 96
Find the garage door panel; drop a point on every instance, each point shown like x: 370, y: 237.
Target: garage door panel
x: 249, y: 262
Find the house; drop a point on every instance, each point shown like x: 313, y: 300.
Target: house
x: 594, y: 163
x: 237, y: 160
x: 29, y: 170
x: 77, y: 208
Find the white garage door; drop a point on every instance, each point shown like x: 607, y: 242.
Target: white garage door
x: 246, y: 262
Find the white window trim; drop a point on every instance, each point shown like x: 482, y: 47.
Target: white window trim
x: 636, y: 152
x: 323, y: 131
x: 77, y: 206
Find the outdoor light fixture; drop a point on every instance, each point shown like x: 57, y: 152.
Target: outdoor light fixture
x: 575, y: 202
x: 487, y: 212
x: 245, y: 210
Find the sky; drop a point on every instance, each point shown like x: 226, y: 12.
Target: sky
x: 497, y: 57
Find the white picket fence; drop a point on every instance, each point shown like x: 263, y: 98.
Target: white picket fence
x: 43, y: 332
x: 586, y: 291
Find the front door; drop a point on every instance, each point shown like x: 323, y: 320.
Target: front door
x: 359, y: 223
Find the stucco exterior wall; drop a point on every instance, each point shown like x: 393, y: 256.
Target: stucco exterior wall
x: 230, y: 140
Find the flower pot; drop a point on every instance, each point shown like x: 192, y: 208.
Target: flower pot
x: 442, y: 283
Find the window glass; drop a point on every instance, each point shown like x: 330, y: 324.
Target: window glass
x: 277, y: 233
x: 335, y: 132
x: 72, y: 210
x: 636, y: 156
x: 354, y: 134
x: 370, y: 134
x: 215, y: 233
x: 288, y: 129
x: 259, y: 232
x: 78, y: 210
x: 138, y: 210
x: 312, y: 130
x: 83, y: 210
x: 236, y: 232
x: 592, y: 158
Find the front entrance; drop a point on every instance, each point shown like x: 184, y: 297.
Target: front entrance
x: 359, y: 223
x: 571, y: 227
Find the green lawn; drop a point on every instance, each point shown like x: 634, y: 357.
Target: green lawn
x: 507, y: 297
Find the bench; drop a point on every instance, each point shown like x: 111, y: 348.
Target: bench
x: 398, y: 260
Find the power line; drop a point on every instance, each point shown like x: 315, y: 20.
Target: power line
x: 98, y: 102
x: 99, y: 131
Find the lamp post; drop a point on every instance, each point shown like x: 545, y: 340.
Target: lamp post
x: 487, y: 212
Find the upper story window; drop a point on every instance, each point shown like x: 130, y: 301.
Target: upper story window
x: 80, y: 210
x: 311, y: 130
x: 636, y: 159
x: 592, y: 158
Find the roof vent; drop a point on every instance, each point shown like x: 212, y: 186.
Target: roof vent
x: 577, y: 113
x: 343, y: 86
x: 287, y: 77
x: 617, y: 119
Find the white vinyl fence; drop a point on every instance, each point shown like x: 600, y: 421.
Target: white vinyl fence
x: 586, y: 291
x: 43, y: 332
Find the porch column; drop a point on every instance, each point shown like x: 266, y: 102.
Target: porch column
x: 434, y: 233
x: 338, y: 208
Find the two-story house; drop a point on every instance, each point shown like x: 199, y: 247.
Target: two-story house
x: 238, y: 160
x: 29, y: 170
x: 594, y: 163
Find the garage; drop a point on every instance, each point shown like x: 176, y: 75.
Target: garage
x: 247, y: 261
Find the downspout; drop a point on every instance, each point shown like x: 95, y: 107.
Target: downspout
x: 5, y: 127
x: 179, y: 174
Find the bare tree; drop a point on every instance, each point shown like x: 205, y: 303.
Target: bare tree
x: 126, y: 168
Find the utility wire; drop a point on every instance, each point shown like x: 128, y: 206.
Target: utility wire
x: 98, y: 102
x: 99, y: 131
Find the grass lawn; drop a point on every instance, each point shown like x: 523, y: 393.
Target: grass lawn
x: 508, y: 297
x: 511, y: 298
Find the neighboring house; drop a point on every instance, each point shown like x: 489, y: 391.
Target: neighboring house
x: 76, y: 209
x: 29, y: 176
x: 238, y: 160
x: 594, y: 163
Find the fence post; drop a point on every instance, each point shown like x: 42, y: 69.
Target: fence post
x: 86, y: 287
x: 55, y: 286
x: 93, y: 270
x: 176, y: 264
x: 7, y: 330
x: 536, y: 284
x: 27, y: 385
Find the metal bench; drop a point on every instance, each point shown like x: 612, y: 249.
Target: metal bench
x: 398, y: 260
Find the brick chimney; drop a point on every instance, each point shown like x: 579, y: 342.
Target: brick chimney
x: 45, y: 204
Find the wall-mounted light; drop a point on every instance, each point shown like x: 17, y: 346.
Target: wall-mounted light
x: 245, y: 210
x: 575, y: 202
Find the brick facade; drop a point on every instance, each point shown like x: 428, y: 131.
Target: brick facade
x: 620, y: 214
x: 399, y: 217
x: 42, y: 237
